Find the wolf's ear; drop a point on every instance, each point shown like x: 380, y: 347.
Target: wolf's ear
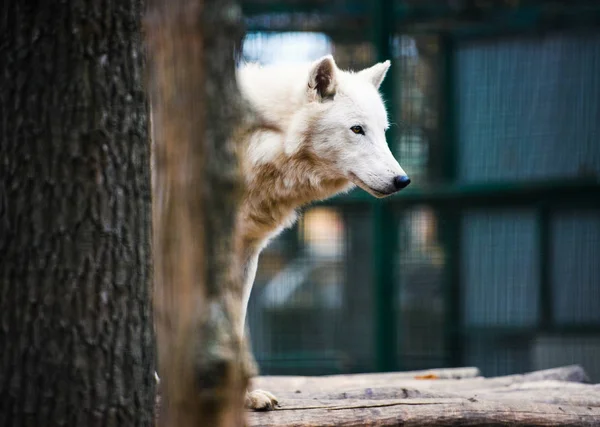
x: 376, y: 73
x: 322, y: 78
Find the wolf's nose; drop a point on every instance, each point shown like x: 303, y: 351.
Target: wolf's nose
x: 401, y: 182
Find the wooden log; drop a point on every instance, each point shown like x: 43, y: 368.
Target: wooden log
x: 426, y: 412
x: 280, y: 385
x: 572, y: 373
x: 555, y: 397
x: 541, y: 391
x: 449, y: 373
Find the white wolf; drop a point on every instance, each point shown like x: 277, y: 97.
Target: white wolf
x: 322, y: 132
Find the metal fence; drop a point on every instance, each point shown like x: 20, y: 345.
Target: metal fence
x: 491, y: 257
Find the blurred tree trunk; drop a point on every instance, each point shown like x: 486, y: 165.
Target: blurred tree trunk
x: 197, y: 188
x: 76, y: 328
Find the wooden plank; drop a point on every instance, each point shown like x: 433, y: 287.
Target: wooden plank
x: 448, y: 373
x: 554, y: 397
x: 283, y: 384
x: 426, y: 412
x: 542, y: 391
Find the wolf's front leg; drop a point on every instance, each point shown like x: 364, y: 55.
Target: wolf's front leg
x: 259, y: 400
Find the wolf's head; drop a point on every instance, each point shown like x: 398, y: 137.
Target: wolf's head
x: 346, y: 119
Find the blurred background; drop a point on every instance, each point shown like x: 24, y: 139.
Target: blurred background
x: 491, y: 258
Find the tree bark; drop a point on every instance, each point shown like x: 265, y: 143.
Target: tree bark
x: 76, y: 329
x: 197, y: 116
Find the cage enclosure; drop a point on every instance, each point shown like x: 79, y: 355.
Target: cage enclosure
x: 491, y: 257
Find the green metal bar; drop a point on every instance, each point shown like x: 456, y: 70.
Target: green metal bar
x: 384, y: 224
x: 583, y: 192
x: 467, y: 19
x: 348, y: 7
x: 530, y: 19
x: 449, y: 109
x: 451, y: 226
x: 450, y: 223
x: 384, y: 250
x: 495, y: 332
x: 545, y: 287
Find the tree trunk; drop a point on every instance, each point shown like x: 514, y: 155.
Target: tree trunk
x: 197, y: 113
x: 76, y: 329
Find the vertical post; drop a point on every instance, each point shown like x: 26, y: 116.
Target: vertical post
x: 545, y: 290
x: 385, y: 231
x: 385, y: 226
x: 449, y: 108
x: 450, y: 218
x: 203, y: 361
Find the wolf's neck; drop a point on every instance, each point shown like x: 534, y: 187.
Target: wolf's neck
x: 278, y: 183
x: 276, y: 189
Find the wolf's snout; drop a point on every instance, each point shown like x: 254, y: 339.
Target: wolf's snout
x: 401, y: 182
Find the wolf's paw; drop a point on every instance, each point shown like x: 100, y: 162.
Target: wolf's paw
x: 260, y: 400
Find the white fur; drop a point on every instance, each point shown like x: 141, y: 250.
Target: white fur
x: 279, y: 95
x: 304, y: 149
x: 299, y: 112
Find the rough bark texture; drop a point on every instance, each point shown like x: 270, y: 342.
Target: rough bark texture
x: 197, y: 188
x: 76, y: 334
x: 555, y: 397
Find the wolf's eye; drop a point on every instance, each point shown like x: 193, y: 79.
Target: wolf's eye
x: 357, y: 130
